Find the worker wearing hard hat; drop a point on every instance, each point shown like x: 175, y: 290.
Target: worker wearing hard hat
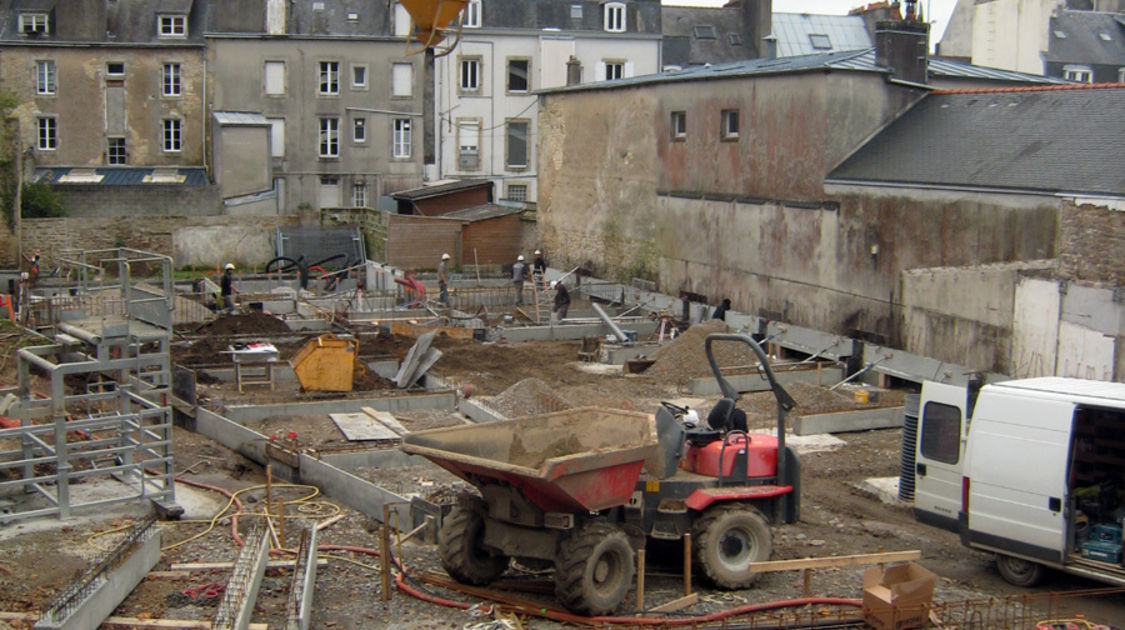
x: 443, y: 278
x: 226, y: 289
x: 519, y: 274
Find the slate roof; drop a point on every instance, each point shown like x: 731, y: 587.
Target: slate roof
x: 1062, y: 139
x: 1087, y: 37
x: 698, y: 35
x: 481, y: 212
x: 795, y: 33
x: 121, y: 176
x: 436, y: 190
x: 132, y: 22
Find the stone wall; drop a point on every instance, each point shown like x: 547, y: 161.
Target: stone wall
x: 1091, y: 241
x: 147, y: 200
x: 371, y: 223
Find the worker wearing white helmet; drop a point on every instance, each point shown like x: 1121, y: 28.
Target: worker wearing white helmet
x: 226, y: 289
x: 539, y: 269
x: 443, y: 278
x: 519, y: 274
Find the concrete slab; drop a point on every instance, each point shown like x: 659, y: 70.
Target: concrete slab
x: 360, y: 426
x: 805, y: 444
x: 479, y: 412
x: 407, y: 402
x: 386, y: 419
x: 745, y: 383
x: 845, y: 421
x: 883, y: 488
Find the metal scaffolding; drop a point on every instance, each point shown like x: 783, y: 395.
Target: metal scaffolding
x: 103, y: 433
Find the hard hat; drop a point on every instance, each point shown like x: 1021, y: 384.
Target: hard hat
x: 554, y: 283
x: 445, y: 256
x: 229, y: 266
x: 519, y: 258
x: 537, y: 252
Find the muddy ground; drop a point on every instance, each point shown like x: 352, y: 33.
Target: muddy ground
x: 39, y: 558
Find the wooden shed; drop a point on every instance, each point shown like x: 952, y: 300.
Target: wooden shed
x: 487, y: 234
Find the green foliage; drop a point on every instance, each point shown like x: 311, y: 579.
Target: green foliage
x: 8, y: 175
x: 40, y: 202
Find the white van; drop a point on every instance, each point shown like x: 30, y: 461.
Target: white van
x: 1031, y: 469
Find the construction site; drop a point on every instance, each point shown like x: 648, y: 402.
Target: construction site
x: 304, y: 459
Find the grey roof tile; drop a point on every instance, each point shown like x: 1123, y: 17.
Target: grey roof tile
x: 1087, y: 37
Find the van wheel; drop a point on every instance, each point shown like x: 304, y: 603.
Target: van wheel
x: 1019, y: 571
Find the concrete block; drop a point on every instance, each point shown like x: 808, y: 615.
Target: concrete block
x: 845, y: 421
x: 479, y: 412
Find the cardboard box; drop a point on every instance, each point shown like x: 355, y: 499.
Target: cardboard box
x: 898, y: 597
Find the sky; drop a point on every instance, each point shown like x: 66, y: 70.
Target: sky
x: 936, y: 11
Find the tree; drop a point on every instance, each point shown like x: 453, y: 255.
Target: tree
x: 39, y: 201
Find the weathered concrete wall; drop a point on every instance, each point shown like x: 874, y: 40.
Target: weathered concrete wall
x: 1035, y: 327
x: 189, y: 240
x: 241, y: 160
x: 1091, y: 240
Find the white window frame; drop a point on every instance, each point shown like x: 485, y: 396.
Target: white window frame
x: 110, y: 157
x: 471, y: 14
x: 277, y: 137
x: 508, y: 164
x: 172, y: 135
x: 614, y: 14
x: 47, y: 129
x: 469, y: 81
x: 402, y: 136
x: 678, y: 123
x: 729, y: 124
x: 359, y: 130
x: 359, y: 194
x: 527, y: 75
x: 614, y: 71
x: 328, y: 78
x: 328, y: 137
x: 1080, y: 74
x: 39, y: 23
x: 468, y: 144
x: 402, y: 80
x: 360, y: 83
x: 46, y: 77
x: 171, y: 26
x: 109, y: 71
x: 511, y: 187
x: 266, y: 74
x: 171, y: 80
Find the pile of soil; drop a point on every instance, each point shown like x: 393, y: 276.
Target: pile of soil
x: 529, y: 397
x: 247, y: 324
x: 684, y: 358
x: 370, y: 381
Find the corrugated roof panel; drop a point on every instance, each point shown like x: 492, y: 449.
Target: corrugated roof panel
x: 240, y: 118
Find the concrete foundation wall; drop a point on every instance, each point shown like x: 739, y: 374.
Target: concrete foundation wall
x: 437, y: 400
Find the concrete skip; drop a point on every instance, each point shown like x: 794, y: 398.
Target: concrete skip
x: 845, y: 421
x: 108, y: 590
x: 706, y: 386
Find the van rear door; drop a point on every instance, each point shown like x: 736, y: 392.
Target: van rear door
x: 938, y: 455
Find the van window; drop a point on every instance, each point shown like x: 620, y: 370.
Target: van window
x: 941, y: 432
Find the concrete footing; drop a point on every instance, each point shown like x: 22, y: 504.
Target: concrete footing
x: 845, y: 421
x: 571, y: 332
x: 745, y: 383
x: 406, y: 402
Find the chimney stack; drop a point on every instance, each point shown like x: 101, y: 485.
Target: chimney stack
x: 573, y: 71
x: 903, y: 47
x: 757, y: 23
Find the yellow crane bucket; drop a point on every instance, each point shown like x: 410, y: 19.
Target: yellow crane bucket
x: 432, y: 21
x: 328, y: 364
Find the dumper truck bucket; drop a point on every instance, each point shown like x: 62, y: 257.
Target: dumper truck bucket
x: 581, y: 459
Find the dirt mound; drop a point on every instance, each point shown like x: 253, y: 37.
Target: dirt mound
x: 684, y: 357
x: 528, y: 397
x: 248, y: 324
x: 761, y: 407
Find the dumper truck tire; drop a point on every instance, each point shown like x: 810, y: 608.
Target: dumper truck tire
x: 1019, y: 571
x: 726, y: 539
x: 594, y: 569
x: 463, y: 556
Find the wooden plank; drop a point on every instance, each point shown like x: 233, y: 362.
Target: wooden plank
x: 362, y: 427
x: 678, y: 604
x: 386, y: 418
x: 835, y: 561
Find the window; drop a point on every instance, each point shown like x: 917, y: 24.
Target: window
x: 820, y: 41
x: 359, y: 130
x: 275, y: 78
x: 468, y: 145
x: 615, y: 17
x: 48, y: 133
x: 171, y: 79
x: 941, y: 433
x: 44, y: 77
x: 470, y: 17
x: 115, y: 151
x: 705, y: 31
x: 517, y: 75
x: 277, y: 137
x: 402, y: 80
x: 173, y: 134
x: 115, y: 69
x: 401, y: 143
x: 517, y: 192
x: 614, y: 70
x: 735, y: 39
x: 173, y: 25
x: 1081, y: 74
x: 517, y: 144
x: 359, y: 76
x: 330, y: 77
x: 470, y: 75
x: 679, y: 125
x: 34, y: 24
x: 576, y: 12
x: 359, y: 195
x: 729, y: 124
x: 329, y: 137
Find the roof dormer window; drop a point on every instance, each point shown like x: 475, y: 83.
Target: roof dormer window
x: 615, y: 17
x: 704, y: 31
x: 34, y: 24
x: 173, y: 25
